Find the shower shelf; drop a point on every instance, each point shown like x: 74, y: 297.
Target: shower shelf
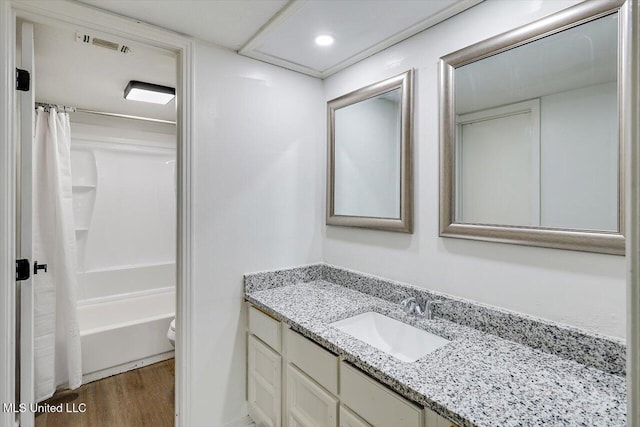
x: 85, y: 187
x: 81, y: 230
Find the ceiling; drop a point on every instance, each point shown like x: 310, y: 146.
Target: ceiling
x: 228, y: 23
x: 282, y: 32
x: 277, y: 31
x: 85, y: 76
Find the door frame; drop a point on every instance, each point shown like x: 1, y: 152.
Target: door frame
x: 632, y: 136
x: 77, y: 15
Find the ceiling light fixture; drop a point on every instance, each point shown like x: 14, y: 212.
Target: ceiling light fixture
x: 148, y: 92
x: 325, y: 40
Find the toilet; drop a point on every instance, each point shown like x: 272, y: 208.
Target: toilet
x: 171, y: 333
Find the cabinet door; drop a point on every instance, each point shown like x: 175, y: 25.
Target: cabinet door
x: 434, y: 420
x: 264, y: 388
x: 308, y: 404
x: 349, y: 419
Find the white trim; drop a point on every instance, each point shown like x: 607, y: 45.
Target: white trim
x: 126, y: 367
x: 249, y: 49
x: 79, y: 16
x: 7, y: 212
x: 26, y: 305
x: 631, y: 17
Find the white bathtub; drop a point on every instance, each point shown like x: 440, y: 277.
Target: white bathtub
x: 124, y: 334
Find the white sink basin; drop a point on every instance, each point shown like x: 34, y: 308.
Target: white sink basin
x: 398, y: 339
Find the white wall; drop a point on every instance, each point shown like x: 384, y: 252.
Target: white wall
x: 367, y: 159
x: 259, y: 162
x: 581, y: 289
x: 579, y: 158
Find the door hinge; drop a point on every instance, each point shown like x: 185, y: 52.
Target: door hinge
x: 23, y: 270
x: 23, y: 80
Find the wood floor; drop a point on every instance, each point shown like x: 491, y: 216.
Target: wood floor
x: 139, y: 398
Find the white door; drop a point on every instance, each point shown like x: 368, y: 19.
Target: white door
x: 27, y: 106
x: 499, y: 166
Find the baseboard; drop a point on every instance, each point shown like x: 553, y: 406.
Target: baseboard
x: 125, y: 367
x: 245, y: 421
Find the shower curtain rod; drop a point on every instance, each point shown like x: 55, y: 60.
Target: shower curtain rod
x: 67, y: 109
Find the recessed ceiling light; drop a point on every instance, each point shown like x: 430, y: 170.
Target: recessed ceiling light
x: 148, y: 92
x: 325, y: 40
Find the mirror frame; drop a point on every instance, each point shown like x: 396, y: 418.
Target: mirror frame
x: 404, y: 224
x: 609, y: 242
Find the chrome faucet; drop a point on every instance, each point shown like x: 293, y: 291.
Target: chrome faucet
x: 410, y: 305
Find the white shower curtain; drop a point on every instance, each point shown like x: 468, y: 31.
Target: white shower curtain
x: 57, y: 334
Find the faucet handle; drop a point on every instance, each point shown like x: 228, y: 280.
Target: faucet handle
x: 409, y: 305
x: 430, y: 306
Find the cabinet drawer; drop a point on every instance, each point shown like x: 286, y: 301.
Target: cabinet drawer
x: 264, y: 384
x: 308, y: 404
x: 314, y: 360
x: 265, y: 327
x: 349, y: 419
x: 375, y: 403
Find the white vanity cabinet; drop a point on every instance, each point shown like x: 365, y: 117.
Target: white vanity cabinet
x: 294, y: 382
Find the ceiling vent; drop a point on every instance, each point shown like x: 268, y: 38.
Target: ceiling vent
x: 106, y: 44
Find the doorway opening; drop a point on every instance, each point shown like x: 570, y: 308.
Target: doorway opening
x: 128, y: 191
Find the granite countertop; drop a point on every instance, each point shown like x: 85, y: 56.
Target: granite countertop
x: 478, y: 379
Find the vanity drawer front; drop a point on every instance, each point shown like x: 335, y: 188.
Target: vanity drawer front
x: 265, y: 327
x: 374, y: 402
x: 314, y: 360
x: 308, y: 404
x: 349, y: 419
x: 264, y: 391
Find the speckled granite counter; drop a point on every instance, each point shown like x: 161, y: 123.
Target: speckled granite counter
x: 478, y: 379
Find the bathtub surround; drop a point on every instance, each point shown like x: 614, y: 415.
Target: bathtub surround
x: 587, y: 348
x: 478, y: 379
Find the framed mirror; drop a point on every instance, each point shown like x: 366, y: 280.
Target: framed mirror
x: 531, y: 133
x: 369, y: 156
